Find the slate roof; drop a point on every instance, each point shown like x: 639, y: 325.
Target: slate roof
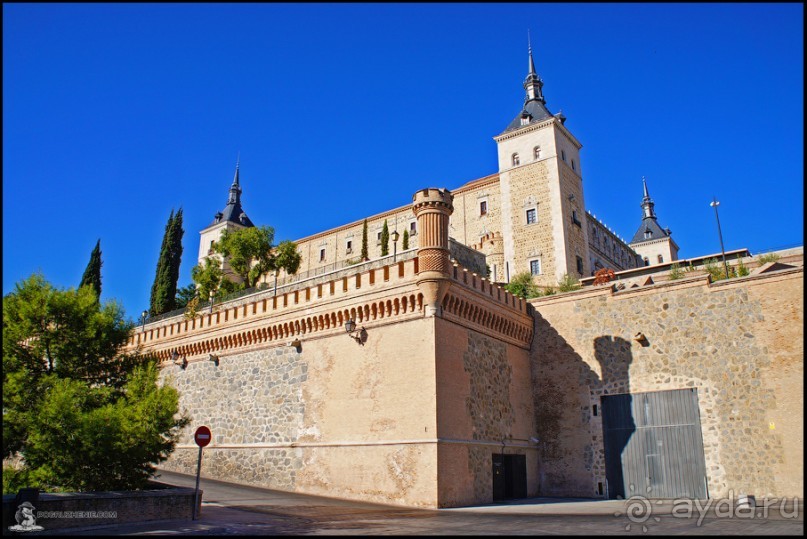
x: 649, y: 223
x: 537, y: 111
x: 233, y: 212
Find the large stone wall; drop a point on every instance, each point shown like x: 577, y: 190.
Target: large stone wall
x: 739, y: 342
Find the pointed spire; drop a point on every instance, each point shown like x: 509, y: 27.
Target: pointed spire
x: 647, y: 203
x: 235, y: 188
x: 533, y: 83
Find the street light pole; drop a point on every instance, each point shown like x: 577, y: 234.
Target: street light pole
x: 394, y: 244
x: 714, y: 203
x: 211, y: 302
x: 143, y: 316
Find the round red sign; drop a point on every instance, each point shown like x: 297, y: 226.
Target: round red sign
x: 202, y: 436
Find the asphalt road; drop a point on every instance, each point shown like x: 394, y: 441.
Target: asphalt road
x: 229, y: 509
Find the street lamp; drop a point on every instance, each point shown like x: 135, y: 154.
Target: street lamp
x: 211, y: 302
x: 395, y: 236
x: 143, y: 317
x: 714, y: 203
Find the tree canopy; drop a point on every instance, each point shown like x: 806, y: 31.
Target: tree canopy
x: 92, y: 273
x: 80, y: 413
x: 164, y: 288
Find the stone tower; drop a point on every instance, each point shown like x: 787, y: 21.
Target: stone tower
x: 543, y: 209
x: 433, y: 207
x: 232, y: 218
x: 651, y: 242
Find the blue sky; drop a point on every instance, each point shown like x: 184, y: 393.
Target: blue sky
x: 115, y: 114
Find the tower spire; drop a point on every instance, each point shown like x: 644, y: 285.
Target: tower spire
x: 235, y: 188
x: 647, y: 202
x: 533, y: 83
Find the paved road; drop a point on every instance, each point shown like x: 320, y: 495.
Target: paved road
x: 229, y: 509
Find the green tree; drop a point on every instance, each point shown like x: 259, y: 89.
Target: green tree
x: 208, y: 277
x: 72, y: 401
x: 522, y: 285
x: 92, y: 273
x: 184, y: 295
x: 285, y: 257
x: 248, y: 251
x: 164, y: 288
x: 385, y: 239
x: 405, y: 244
x: 364, y: 250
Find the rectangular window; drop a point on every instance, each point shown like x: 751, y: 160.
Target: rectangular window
x: 483, y: 207
x: 349, y: 246
x: 575, y: 220
x: 535, y: 267
x: 579, y: 265
x: 563, y: 155
x: 531, y: 216
x: 322, y: 255
x: 413, y: 228
x: 573, y: 167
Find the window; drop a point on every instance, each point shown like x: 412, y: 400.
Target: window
x: 563, y: 155
x: 349, y: 246
x: 575, y: 220
x: 573, y: 167
x: 515, y: 160
x: 322, y: 255
x: 483, y: 207
x: 660, y: 259
x: 646, y: 261
x: 536, y: 152
x: 535, y: 267
x: 647, y: 233
x: 531, y: 216
x: 413, y: 228
x: 579, y: 265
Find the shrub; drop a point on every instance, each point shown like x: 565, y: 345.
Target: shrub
x: 742, y: 270
x: 521, y: 285
x: 769, y: 257
x: 676, y: 272
x: 568, y: 283
x: 603, y: 276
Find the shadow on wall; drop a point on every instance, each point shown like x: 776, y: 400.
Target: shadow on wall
x: 566, y: 399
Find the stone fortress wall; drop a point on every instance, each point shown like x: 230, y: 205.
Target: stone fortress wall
x: 740, y: 343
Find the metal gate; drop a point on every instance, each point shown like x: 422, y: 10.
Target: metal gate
x: 509, y: 476
x: 653, y: 445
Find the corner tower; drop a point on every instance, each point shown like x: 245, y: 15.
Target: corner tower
x: 232, y: 217
x: 651, y: 242
x: 543, y: 209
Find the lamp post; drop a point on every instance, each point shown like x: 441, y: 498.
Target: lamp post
x: 715, y: 203
x: 143, y: 317
x: 211, y: 302
x: 395, y: 237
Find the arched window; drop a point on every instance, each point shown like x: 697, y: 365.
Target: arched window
x: 515, y: 160
x: 646, y: 261
x: 660, y: 259
x: 536, y: 152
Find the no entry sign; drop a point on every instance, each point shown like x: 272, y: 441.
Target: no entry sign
x: 202, y: 436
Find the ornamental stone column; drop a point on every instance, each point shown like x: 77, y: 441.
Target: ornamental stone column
x: 432, y: 207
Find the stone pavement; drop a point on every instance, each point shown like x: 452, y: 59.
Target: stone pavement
x: 229, y: 509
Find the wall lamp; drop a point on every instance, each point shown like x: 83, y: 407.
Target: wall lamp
x: 175, y: 359
x: 214, y: 359
x: 350, y: 328
x: 640, y: 338
x: 296, y: 343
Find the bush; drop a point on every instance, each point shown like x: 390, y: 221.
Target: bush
x: 676, y: 272
x: 568, y: 283
x: 769, y: 257
x: 521, y: 285
x: 603, y: 276
x: 742, y: 270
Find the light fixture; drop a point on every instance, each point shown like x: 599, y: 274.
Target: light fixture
x: 394, y: 236
x: 143, y: 317
x: 296, y: 343
x: 350, y: 328
x: 640, y: 338
x: 214, y: 359
x: 175, y: 359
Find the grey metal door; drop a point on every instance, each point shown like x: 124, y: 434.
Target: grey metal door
x: 653, y: 445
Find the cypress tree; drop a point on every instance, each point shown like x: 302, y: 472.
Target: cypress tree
x: 405, y: 244
x: 385, y: 239
x: 159, y: 302
x: 175, y: 250
x: 364, y: 254
x: 92, y: 273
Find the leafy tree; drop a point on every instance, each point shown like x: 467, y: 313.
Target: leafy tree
x: 405, y: 244
x: 164, y: 288
x: 364, y: 251
x: 208, y: 277
x: 73, y: 403
x: 248, y: 252
x: 385, y: 239
x: 92, y: 273
x: 285, y: 257
x: 522, y: 285
x: 184, y: 295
